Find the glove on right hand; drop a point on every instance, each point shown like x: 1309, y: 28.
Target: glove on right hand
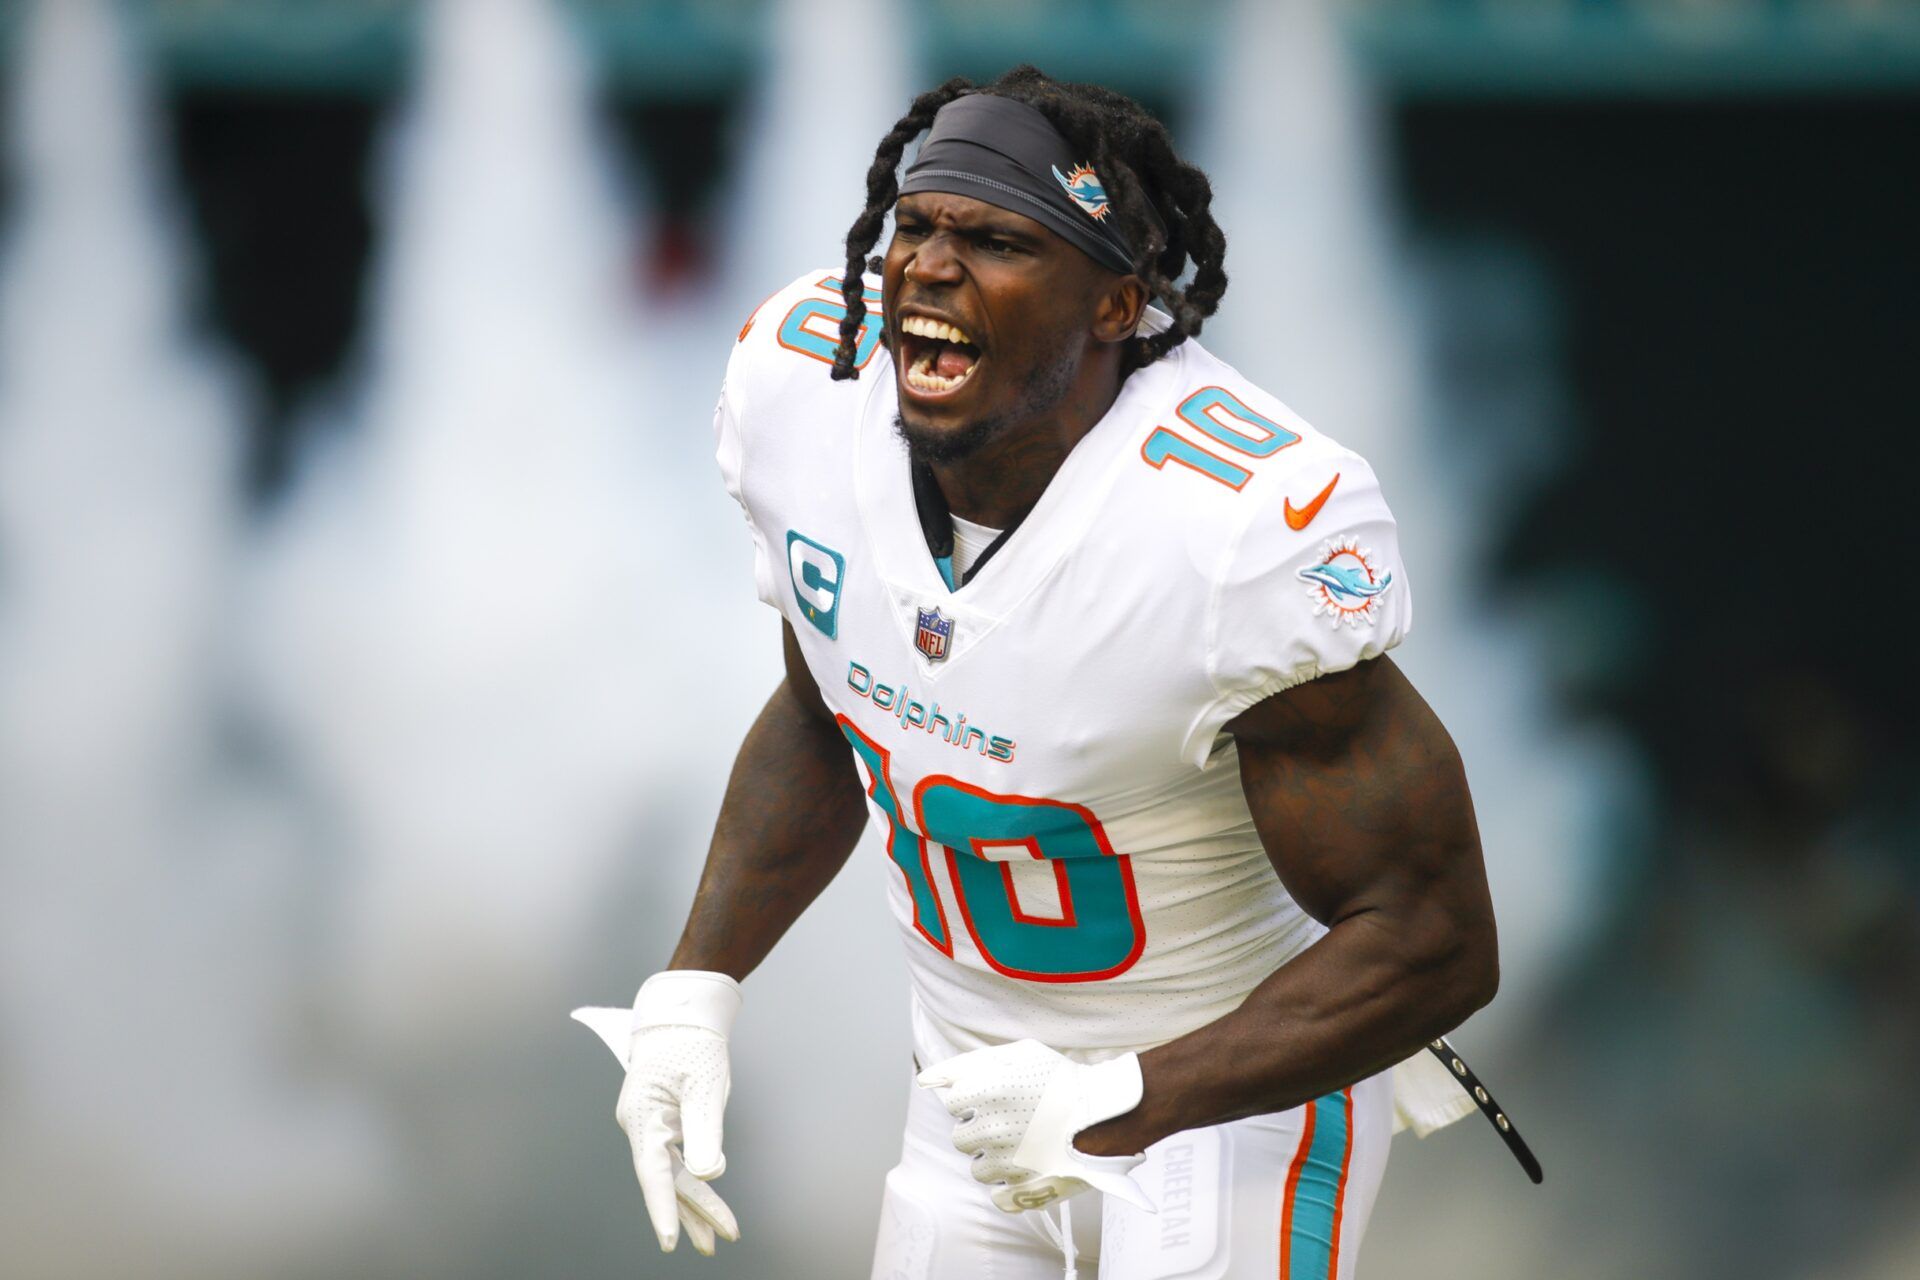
x: 1019, y: 1106
x: 673, y: 1044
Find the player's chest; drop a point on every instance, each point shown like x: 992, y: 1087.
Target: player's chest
x: 1069, y: 664
x: 1078, y: 686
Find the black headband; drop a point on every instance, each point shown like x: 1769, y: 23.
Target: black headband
x: 1009, y: 155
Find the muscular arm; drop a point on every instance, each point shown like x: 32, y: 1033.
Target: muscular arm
x: 791, y: 815
x: 1361, y: 802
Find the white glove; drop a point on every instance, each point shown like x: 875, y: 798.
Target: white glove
x: 1019, y: 1106
x: 673, y: 1044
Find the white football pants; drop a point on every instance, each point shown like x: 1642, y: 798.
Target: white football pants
x: 1284, y: 1195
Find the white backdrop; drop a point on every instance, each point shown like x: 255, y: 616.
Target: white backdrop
x: 313, y: 828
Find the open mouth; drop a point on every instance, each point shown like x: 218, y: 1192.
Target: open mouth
x: 936, y: 358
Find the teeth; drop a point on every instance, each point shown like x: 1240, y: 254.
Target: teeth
x: 922, y: 327
x: 921, y: 377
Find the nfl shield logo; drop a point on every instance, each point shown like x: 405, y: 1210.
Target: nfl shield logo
x: 932, y: 634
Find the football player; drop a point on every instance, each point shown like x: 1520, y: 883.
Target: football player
x: 1090, y: 631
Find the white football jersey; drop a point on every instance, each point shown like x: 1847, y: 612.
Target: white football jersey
x: 1068, y: 851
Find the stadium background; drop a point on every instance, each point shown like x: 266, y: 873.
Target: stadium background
x: 374, y: 635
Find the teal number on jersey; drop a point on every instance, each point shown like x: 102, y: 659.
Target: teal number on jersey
x: 1221, y: 416
x: 1202, y: 411
x: 812, y: 327
x: 908, y: 851
x: 1094, y: 932
x: 1164, y: 445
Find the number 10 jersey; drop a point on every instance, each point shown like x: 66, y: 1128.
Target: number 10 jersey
x: 1068, y: 850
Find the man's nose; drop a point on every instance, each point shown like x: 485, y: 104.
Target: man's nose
x: 935, y: 261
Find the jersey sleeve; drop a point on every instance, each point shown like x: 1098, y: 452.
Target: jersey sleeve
x: 729, y: 418
x: 1293, y: 603
x: 765, y: 375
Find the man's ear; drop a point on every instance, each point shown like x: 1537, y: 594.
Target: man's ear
x: 1118, y: 312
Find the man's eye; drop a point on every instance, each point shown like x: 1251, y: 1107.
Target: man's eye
x: 909, y: 230
x: 995, y: 245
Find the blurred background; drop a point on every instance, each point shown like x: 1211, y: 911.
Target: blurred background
x: 375, y: 636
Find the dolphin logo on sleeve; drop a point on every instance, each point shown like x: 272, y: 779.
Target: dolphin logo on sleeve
x: 1346, y: 581
x: 1344, y: 584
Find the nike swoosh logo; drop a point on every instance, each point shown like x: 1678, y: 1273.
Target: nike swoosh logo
x: 1301, y: 517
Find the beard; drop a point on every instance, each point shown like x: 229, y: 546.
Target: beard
x: 933, y: 444
x: 1041, y: 391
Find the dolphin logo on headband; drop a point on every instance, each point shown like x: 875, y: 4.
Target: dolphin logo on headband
x: 1083, y: 185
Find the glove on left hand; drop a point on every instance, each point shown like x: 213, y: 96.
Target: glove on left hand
x: 673, y: 1044
x: 1019, y: 1106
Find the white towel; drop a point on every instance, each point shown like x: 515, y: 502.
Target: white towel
x: 1427, y: 1096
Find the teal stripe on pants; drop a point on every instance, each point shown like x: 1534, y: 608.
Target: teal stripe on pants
x: 1317, y: 1196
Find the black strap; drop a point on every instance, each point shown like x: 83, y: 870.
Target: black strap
x: 1488, y: 1107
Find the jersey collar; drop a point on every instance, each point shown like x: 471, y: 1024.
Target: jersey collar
x: 884, y: 489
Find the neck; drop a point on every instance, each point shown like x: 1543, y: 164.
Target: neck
x: 1002, y: 482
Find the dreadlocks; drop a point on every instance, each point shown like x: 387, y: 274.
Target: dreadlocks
x: 1135, y: 159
